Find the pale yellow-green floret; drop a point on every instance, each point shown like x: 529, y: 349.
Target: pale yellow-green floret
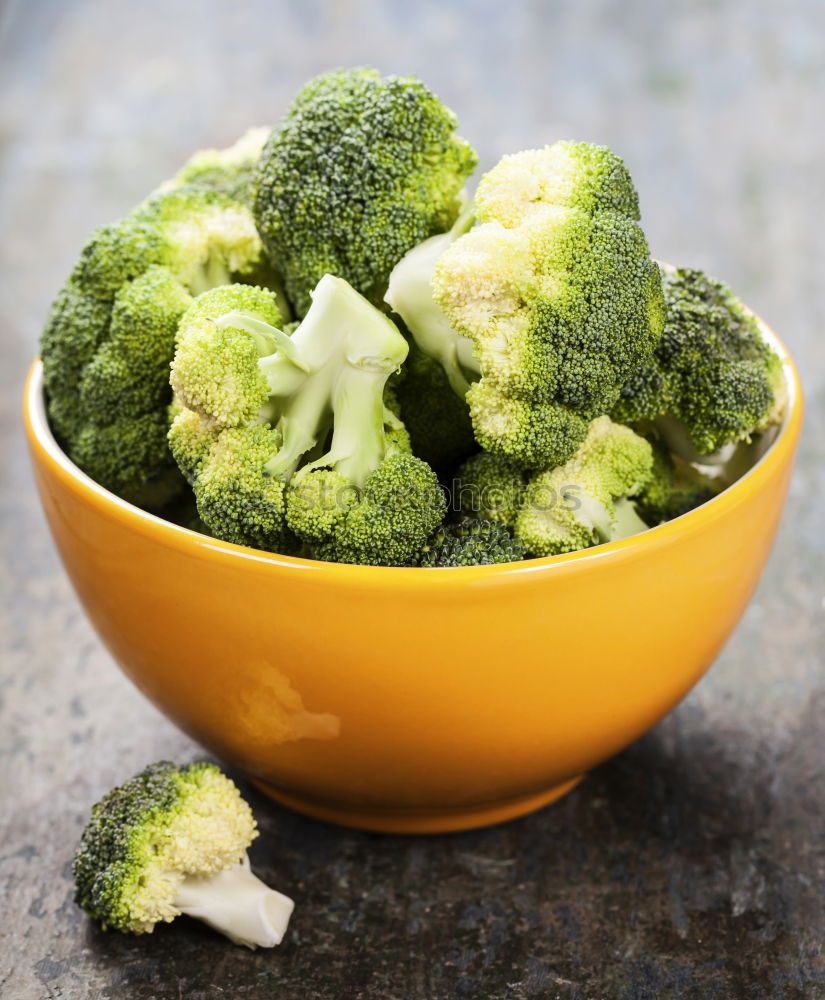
x: 215, y: 371
x: 585, y: 501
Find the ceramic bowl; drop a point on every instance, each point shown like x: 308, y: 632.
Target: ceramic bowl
x: 412, y: 700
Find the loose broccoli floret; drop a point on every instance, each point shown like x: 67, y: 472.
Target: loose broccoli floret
x: 585, y: 501
x: 712, y: 380
x: 471, y: 542
x: 267, y: 406
x: 557, y: 293
x: 360, y: 170
x: 110, y: 335
x: 173, y: 840
x: 437, y: 420
x: 491, y: 487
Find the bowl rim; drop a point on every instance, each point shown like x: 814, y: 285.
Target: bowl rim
x: 44, y: 447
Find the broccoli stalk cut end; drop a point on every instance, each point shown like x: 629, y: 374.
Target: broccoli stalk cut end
x: 237, y: 904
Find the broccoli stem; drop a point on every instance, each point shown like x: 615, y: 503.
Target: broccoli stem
x: 237, y: 904
x: 410, y: 295
x: 675, y: 435
x: 626, y: 521
x: 212, y: 274
x: 358, y: 440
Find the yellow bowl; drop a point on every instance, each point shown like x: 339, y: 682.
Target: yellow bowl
x: 412, y: 700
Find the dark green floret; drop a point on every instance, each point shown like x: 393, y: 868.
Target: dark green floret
x: 173, y: 840
x: 713, y: 380
x: 110, y: 335
x: 360, y: 170
x: 471, y: 542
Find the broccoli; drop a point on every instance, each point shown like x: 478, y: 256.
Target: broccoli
x: 437, y: 420
x: 173, y: 840
x: 470, y: 542
x: 360, y: 170
x: 290, y: 435
x: 573, y: 506
x: 556, y: 292
x: 110, y: 335
x: 712, y: 381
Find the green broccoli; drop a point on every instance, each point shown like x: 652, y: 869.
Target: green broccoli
x: 555, y: 291
x: 573, y: 506
x: 173, y: 840
x: 470, y: 542
x: 110, y: 335
x: 290, y: 434
x: 713, y: 381
x: 360, y: 170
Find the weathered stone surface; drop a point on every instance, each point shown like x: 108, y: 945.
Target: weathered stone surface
x: 693, y: 865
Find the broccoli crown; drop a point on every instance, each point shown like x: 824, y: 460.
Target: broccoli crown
x: 147, y: 835
x: 383, y: 523
x: 470, y: 542
x: 360, y: 170
x: 257, y: 407
x: 556, y: 289
x: 215, y: 369
x: 490, y: 487
x: 437, y: 420
x: 585, y: 501
x: 711, y: 369
x: 110, y: 335
x: 229, y: 170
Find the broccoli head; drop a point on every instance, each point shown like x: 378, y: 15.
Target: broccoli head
x: 110, y: 335
x: 173, y: 840
x: 554, y: 293
x: 586, y: 500
x: 713, y: 380
x: 573, y: 506
x: 290, y: 434
x: 360, y: 170
x: 471, y: 542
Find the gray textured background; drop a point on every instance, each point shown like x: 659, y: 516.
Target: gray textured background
x: 691, y: 866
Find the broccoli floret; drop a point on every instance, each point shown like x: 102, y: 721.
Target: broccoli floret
x: 490, y: 487
x: 554, y: 289
x: 471, y: 542
x: 586, y: 500
x: 110, y: 335
x: 173, y: 840
x: 712, y: 380
x: 291, y: 433
x: 437, y: 420
x: 360, y: 170
x: 215, y: 369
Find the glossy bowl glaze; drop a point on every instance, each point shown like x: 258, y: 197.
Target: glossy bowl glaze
x: 412, y: 700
